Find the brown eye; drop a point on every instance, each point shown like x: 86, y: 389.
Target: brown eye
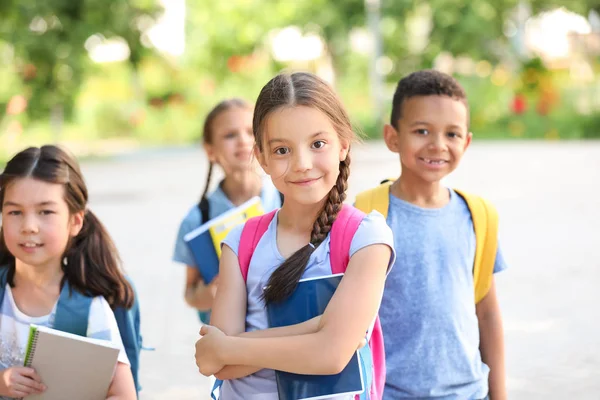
x: 281, y: 151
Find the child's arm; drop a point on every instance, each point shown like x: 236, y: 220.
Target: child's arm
x: 240, y: 371
x: 229, y: 307
x: 326, y: 351
x: 122, y: 386
x: 229, y: 313
x: 197, y: 294
x: 492, y: 342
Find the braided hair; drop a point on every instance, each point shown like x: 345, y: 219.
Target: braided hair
x: 304, y: 89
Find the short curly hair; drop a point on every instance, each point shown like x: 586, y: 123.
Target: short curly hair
x: 427, y: 82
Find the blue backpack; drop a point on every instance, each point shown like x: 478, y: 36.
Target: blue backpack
x: 72, y: 314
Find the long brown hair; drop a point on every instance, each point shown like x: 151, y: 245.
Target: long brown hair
x: 304, y: 89
x: 93, y: 266
x: 207, y: 131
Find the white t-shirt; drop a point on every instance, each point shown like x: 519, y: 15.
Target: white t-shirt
x: 14, y: 329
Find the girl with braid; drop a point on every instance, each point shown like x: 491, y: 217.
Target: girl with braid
x: 228, y: 142
x: 303, y: 138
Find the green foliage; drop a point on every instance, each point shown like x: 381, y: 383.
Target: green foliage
x: 591, y: 126
x: 153, y: 98
x: 48, y: 39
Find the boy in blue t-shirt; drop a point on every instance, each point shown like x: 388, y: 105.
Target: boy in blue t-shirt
x: 439, y: 344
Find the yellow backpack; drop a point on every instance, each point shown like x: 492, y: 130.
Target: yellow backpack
x: 485, y: 224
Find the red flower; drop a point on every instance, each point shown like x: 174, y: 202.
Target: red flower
x: 519, y: 104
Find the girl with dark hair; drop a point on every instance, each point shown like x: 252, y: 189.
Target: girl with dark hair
x: 49, y: 239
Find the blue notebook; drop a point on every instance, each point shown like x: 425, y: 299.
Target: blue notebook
x: 205, y: 241
x: 308, y: 301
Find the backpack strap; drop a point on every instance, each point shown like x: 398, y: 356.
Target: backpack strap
x: 3, y: 281
x: 128, y: 321
x: 377, y: 347
x: 377, y: 198
x: 204, y: 208
x: 72, y: 311
x: 342, y: 231
x: 485, y: 224
x: 253, y: 230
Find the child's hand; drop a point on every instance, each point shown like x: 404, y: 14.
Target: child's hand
x: 208, y: 349
x: 20, y: 382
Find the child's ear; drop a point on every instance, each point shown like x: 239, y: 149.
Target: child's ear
x: 261, y: 158
x: 390, y: 135
x: 344, y: 149
x: 76, y: 223
x: 210, y: 152
x: 468, y: 141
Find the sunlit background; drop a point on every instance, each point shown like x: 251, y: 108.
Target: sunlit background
x: 107, y: 76
x: 130, y: 82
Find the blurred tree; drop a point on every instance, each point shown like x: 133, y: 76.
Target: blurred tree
x: 474, y: 28
x: 48, y: 38
x: 222, y: 34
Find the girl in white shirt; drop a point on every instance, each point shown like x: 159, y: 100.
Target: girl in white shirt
x: 48, y: 238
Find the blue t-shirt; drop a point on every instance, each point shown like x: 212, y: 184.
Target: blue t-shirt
x: 430, y: 328
x: 265, y: 259
x: 218, y: 203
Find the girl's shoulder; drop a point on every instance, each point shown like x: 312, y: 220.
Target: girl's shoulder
x: 218, y: 203
x: 372, y: 222
x: 373, y: 217
x: 192, y: 219
x: 101, y: 318
x: 373, y: 229
x: 233, y: 238
x: 99, y: 307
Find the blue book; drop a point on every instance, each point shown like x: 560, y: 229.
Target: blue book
x: 308, y: 301
x: 205, y: 241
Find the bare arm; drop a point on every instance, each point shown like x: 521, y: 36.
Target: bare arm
x: 310, y: 326
x: 328, y: 350
x: 240, y: 371
x: 229, y: 308
x: 122, y: 386
x: 492, y: 342
x: 197, y: 294
x: 229, y: 313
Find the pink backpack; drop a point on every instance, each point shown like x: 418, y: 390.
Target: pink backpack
x: 342, y: 232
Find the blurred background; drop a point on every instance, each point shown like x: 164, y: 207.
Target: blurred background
x: 125, y: 85
x: 109, y: 75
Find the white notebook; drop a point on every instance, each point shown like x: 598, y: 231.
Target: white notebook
x: 71, y: 366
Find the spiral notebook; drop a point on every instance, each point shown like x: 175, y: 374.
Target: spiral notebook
x: 71, y: 366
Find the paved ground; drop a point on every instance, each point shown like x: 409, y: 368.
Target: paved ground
x: 548, y: 198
